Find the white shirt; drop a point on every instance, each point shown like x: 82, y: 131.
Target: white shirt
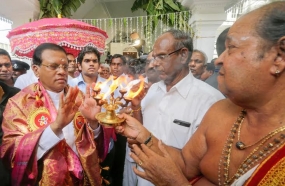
x: 48, y: 138
x: 69, y: 77
x: 26, y: 80
x: 188, y: 101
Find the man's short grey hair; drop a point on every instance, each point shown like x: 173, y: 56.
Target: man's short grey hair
x: 105, y: 65
x: 182, y: 39
x: 203, y: 54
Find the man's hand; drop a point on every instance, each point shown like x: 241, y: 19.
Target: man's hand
x: 136, y: 101
x: 131, y: 142
x: 132, y: 128
x: 126, y: 110
x: 89, y: 107
x: 160, y: 170
x: 68, y: 106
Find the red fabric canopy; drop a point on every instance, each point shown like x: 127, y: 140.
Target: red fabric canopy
x: 71, y: 34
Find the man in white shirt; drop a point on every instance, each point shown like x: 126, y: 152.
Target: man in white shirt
x: 198, y: 62
x: 118, y: 64
x: 105, y: 71
x: 174, y: 107
x: 47, y: 141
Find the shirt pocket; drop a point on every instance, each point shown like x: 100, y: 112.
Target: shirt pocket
x: 179, y: 133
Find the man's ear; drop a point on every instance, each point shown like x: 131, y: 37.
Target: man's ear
x: 184, y: 54
x: 36, y: 70
x: 279, y: 62
x: 281, y: 47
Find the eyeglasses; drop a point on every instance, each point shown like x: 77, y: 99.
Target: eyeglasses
x: 161, y: 57
x: 56, y: 67
x: 7, y: 65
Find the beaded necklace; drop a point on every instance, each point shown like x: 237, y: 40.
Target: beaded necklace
x: 252, y: 158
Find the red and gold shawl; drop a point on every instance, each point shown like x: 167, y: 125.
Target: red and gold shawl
x: 25, y: 118
x: 270, y: 171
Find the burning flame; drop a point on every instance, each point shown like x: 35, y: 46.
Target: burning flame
x: 102, y: 85
x: 117, y: 82
x: 97, y: 86
x: 134, y: 93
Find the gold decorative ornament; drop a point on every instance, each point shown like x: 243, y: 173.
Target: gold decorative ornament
x: 38, y: 118
x: 253, y: 158
x: 241, y: 146
x: 109, y: 118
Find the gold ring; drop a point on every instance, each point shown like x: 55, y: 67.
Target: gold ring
x: 140, y: 163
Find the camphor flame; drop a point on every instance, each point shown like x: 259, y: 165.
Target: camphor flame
x: 101, y: 85
x: 133, y: 93
x: 97, y: 86
x: 114, y: 85
x: 122, y: 87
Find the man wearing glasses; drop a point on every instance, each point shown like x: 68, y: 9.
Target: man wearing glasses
x: 6, y: 70
x: 46, y: 140
x: 174, y: 107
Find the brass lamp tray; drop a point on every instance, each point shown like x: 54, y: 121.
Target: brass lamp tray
x: 103, y: 119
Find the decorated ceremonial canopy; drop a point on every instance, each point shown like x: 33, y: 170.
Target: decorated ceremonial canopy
x: 72, y: 35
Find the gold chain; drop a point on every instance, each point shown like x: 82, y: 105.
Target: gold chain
x: 243, y: 146
x: 252, y: 157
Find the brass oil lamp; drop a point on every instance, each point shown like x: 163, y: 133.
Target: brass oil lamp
x: 109, y: 118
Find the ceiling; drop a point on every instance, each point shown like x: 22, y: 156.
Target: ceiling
x: 22, y: 11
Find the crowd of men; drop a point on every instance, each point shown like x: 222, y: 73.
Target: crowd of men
x: 194, y: 122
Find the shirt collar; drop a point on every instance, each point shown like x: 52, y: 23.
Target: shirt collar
x: 182, y: 87
x: 54, y: 95
x: 81, y: 80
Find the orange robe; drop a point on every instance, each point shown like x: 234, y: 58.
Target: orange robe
x: 22, y: 130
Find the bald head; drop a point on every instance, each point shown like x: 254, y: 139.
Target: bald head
x: 271, y: 26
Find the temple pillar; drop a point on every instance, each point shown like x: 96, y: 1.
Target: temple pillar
x: 207, y: 18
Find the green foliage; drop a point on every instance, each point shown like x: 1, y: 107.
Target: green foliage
x: 52, y: 8
x: 159, y: 9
